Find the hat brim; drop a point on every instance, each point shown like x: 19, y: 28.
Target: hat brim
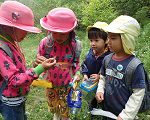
x: 19, y: 26
x: 112, y: 29
x: 90, y: 27
x: 46, y: 26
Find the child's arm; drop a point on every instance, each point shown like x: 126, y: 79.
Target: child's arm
x: 133, y: 104
x: 84, y: 69
x: 100, y: 90
x: 101, y: 84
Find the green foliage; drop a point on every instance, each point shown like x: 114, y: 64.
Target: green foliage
x: 85, y: 44
x: 97, y: 10
x: 36, y: 105
x: 142, y: 46
x: 129, y: 7
x: 143, y: 15
x: 139, y: 9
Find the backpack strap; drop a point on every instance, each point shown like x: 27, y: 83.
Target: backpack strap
x: 4, y: 84
x: 49, y: 45
x: 147, y: 80
x: 130, y: 70
x: 50, y: 42
x: 107, y: 60
x: 78, y: 48
x: 7, y: 50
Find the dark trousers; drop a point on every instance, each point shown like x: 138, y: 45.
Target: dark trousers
x: 13, y: 112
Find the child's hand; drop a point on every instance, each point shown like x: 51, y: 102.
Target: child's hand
x: 85, y: 77
x: 39, y: 60
x: 99, y: 97
x: 119, y: 118
x: 77, y: 77
x: 48, y: 63
x: 96, y: 77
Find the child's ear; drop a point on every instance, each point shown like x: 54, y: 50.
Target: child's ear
x: 106, y: 42
x: 106, y: 45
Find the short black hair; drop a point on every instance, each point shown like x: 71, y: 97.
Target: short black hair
x: 95, y: 33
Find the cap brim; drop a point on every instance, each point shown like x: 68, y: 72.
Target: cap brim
x: 112, y: 29
x: 90, y: 27
x: 19, y: 26
x: 55, y: 29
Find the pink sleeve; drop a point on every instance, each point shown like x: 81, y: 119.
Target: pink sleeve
x: 15, y: 75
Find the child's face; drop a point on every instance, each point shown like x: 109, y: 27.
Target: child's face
x: 18, y: 34
x: 115, y: 42
x: 60, y: 37
x: 97, y: 44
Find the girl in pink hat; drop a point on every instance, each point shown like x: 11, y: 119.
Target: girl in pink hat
x: 16, y: 20
x: 60, y: 43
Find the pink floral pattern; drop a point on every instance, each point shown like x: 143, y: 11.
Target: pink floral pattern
x: 15, y: 73
x: 60, y: 76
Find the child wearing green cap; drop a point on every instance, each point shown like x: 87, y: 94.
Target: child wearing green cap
x: 112, y: 88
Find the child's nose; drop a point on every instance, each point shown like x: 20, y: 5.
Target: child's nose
x: 93, y: 44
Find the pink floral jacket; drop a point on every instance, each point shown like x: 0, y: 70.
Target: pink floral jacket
x: 62, y: 73
x: 15, y: 74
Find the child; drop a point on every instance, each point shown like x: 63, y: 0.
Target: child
x: 112, y: 88
x: 61, y: 44
x: 16, y: 20
x: 91, y: 65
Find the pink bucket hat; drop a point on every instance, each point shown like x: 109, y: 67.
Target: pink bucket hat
x: 59, y: 20
x: 15, y: 14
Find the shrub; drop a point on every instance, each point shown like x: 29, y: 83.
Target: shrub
x: 143, y: 15
x: 142, y: 46
x: 97, y: 10
x: 129, y: 7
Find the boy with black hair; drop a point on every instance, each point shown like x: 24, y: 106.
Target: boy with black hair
x: 113, y: 89
x: 93, y: 60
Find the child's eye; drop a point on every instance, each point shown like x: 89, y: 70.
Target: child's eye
x: 112, y: 38
x: 90, y: 40
x: 96, y: 40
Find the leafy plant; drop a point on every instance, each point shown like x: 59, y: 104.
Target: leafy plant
x: 142, y: 46
x: 97, y: 10
x: 143, y: 15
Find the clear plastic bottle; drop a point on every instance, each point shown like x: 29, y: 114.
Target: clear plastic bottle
x: 74, y: 110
